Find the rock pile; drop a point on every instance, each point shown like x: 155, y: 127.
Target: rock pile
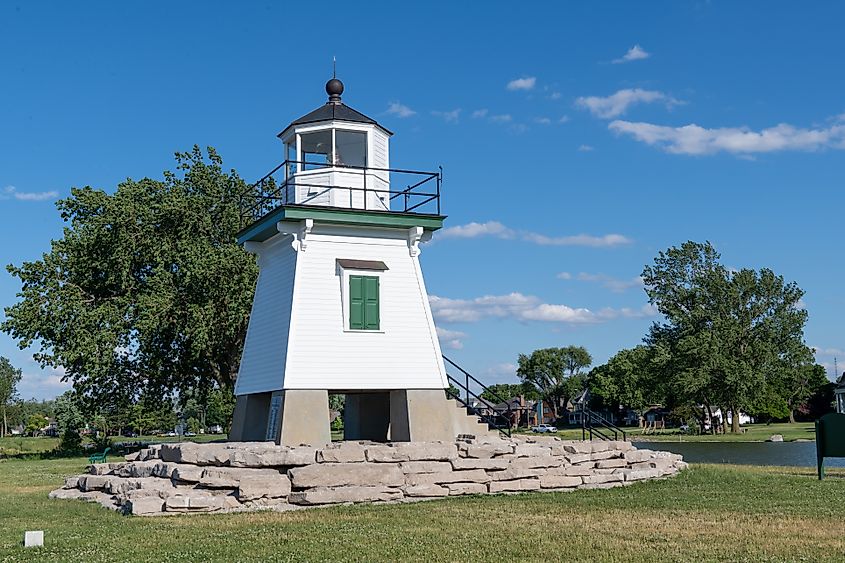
x: 238, y: 476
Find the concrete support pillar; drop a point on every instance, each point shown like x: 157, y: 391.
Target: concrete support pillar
x: 366, y: 416
x: 420, y: 415
x: 249, y: 420
x: 304, y: 417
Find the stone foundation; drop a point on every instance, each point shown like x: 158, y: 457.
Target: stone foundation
x: 245, y: 476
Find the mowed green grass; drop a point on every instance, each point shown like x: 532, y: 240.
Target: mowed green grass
x: 708, y: 513
x: 752, y: 433
x: 17, y: 445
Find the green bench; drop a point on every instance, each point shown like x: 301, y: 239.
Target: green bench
x: 830, y: 438
x: 99, y: 458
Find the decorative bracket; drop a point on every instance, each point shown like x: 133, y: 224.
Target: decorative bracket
x: 415, y: 235
x: 300, y: 232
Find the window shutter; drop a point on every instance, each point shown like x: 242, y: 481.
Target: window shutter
x: 371, y: 303
x: 356, y: 302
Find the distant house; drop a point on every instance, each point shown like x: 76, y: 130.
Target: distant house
x: 839, y: 394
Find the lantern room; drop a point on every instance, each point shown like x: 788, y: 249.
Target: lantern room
x: 336, y: 157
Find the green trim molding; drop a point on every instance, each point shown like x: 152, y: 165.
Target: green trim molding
x: 265, y: 227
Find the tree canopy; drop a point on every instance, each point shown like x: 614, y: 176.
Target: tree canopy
x: 147, y: 290
x: 557, y: 373
x: 731, y: 338
x: 9, y: 378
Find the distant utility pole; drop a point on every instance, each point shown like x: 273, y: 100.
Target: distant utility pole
x: 835, y: 370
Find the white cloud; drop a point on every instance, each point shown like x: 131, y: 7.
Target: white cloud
x: 586, y: 148
x: 525, y: 83
x: 820, y: 351
x: 452, y: 339
x: 501, y: 118
x: 542, y: 120
x: 635, y: 53
x: 448, y: 116
x: 694, y: 139
x: 498, y: 230
x: 525, y: 308
x: 400, y: 110
x: 42, y: 384
x: 554, y: 96
x: 563, y: 119
x: 618, y: 103
x: 479, y: 113
x: 12, y: 191
x: 613, y: 284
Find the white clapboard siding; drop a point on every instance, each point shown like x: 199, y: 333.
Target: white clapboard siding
x: 322, y: 354
x: 265, y: 346
x: 403, y: 354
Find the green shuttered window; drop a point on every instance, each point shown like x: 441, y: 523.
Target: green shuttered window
x: 363, y: 303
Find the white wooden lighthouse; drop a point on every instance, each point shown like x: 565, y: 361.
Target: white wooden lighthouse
x: 340, y: 303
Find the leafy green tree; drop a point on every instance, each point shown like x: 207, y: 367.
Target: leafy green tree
x: 730, y: 335
x: 9, y: 378
x: 628, y: 379
x: 193, y: 425
x: 35, y: 423
x: 557, y: 373
x: 799, y: 384
x: 147, y: 290
x: 507, y: 391
x: 221, y: 404
x: 68, y: 412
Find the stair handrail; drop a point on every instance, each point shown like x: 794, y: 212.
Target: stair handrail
x: 468, y: 392
x: 589, y: 420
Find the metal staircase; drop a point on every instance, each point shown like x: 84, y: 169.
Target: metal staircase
x: 487, y: 411
x: 595, y: 425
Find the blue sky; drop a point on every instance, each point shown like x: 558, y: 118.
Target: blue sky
x: 577, y: 141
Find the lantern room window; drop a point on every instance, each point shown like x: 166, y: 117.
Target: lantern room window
x: 350, y: 148
x: 316, y: 149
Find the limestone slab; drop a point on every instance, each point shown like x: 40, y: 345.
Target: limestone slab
x: 456, y: 489
x: 425, y: 466
x: 495, y: 464
x: 515, y: 485
x: 347, y: 474
x: 342, y: 453
x: 145, y: 506
x: 326, y: 495
x: 271, y: 455
x: 611, y: 463
x: 429, y: 490
x: 252, y: 489
x: 232, y: 477
x: 559, y: 481
x: 466, y: 476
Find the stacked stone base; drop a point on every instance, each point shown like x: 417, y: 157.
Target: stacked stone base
x: 246, y: 476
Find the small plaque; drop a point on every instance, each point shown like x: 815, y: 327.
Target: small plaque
x: 33, y: 539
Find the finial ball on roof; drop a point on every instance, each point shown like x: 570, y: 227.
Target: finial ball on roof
x: 334, y: 88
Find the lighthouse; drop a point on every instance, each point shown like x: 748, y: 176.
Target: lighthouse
x: 340, y: 303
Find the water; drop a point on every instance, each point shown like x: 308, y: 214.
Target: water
x: 802, y: 454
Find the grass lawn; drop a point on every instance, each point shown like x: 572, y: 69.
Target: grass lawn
x: 16, y: 445
x: 708, y: 513
x: 753, y: 433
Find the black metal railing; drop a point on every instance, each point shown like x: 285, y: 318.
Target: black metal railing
x: 501, y: 420
x: 420, y: 194
x: 595, y: 425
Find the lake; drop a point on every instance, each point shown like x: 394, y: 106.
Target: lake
x: 802, y: 454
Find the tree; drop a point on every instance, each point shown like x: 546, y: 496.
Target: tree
x: 798, y: 385
x: 628, y: 379
x: 193, y: 425
x: 147, y: 291
x: 9, y: 378
x: 555, y: 372
x: 730, y: 335
x: 35, y: 423
x: 505, y: 391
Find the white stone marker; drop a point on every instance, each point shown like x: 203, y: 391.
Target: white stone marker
x: 33, y: 539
